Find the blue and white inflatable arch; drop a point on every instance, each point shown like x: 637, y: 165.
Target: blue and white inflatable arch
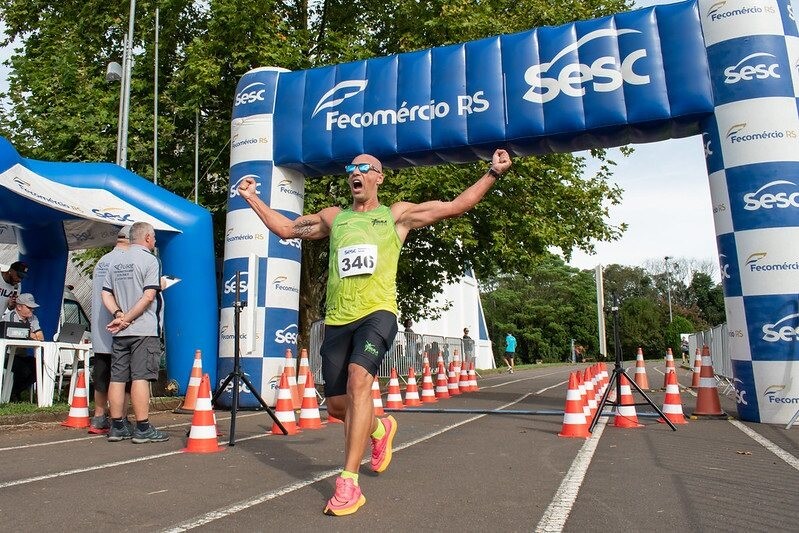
x: 724, y: 69
x: 48, y: 209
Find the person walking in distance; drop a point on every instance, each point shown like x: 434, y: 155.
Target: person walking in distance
x: 132, y: 293
x: 101, y: 338
x: 361, y: 307
x: 510, y: 351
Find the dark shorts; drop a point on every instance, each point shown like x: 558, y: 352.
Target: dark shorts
x: 135, y: 358
x: 101, y: 372
x: 364, y: 342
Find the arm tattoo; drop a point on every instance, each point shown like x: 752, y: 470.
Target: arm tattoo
x: 303, y: 228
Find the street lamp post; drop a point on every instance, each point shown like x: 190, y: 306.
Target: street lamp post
x: 668, y: 287
x: 117, y: 72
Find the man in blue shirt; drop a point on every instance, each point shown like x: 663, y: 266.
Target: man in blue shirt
x: 510, y: 351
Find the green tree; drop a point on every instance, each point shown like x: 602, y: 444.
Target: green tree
x: 544, y: 309
x: 709, y: 298
x: 59, y: 107
x: 673, y: 330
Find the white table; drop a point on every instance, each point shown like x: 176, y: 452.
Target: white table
x: 7, y: 376
x: 48, y: 356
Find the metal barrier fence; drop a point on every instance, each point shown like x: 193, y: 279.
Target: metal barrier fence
x: 406, y: 351
x: 718, y: 340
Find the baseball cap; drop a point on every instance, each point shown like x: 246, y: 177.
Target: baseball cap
x: 20, y: 268
x: 124, y: 233
x: 26, y: 298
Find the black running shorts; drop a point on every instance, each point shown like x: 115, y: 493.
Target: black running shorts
x: 364, y: 342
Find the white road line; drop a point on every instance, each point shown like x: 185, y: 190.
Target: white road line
x: 561, y: 505
x: 93, y: 437
x: 64, y: 473
x: 767, y: 444
x: 265, y: 497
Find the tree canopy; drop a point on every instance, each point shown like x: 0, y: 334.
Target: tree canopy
x: 59, y: 107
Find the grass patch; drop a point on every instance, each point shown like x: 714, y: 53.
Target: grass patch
x: 25, y: 407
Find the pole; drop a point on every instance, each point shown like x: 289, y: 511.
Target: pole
x: 668, y: 287
x: 196, y: 155
x: 600, y: 310
x: 123, y: 153
x: 155, y: 104
x: 574, y: 356
x: 121, y: 101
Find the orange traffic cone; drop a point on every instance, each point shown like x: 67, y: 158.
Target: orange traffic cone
x: 428, y: 392
x: 669, y: 367
x: 79, y: 408
x: 412, y: 390
x: 394, y: 398
x: 440, y: 360
x: 463, y: 379
x: 425, y: 361
x: 583, y: 396
x: 707, y: 398
x: 284, y: 408
x: 574, y: 421
x: 309, y: 414
x: 194, y: 385
x: 697, y: 370
x: 473, y: 378
x: 288, y: 367
x: 640, y: 371
x: 377, y: 402
x: 590, y: 394
x: 202, y: 435
x: 452, y: 384
x: 672, y: 405
x: 442, y: 391
x: 626, y: 417
x: 304, y: 367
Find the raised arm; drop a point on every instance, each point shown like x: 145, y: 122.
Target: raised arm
x: 408, y: 216
x: 315, y: 226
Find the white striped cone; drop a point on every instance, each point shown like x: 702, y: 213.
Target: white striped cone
x: 669, y: 367
x: 626, y: 417
x: 202, y: 435
x: 583, y: 396
x: 640, y: 377
x: 442, y: 389
x: 291, y: 373
x: 394, y: 397
x: 190, y: 400
x: 574, y: 421
x: 463, y: 380
x: 428, y: 391
x: 472, y: 378
x: 304, y: 367
x: 697, y: 370
x: 672, y: 405
x: 412, y: 390
x: 596, y: 379
x: 284, y: 408
x: 452, y: 384
x: 590, y: 395
x: 440, y: 360
x: 377, y: 402
x: 309, y: 414
x: 707, y: 398
x: 79, y: 408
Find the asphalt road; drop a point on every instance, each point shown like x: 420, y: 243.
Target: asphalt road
x: 464, y: 471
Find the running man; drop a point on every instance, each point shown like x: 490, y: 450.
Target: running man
x: 361, y: 307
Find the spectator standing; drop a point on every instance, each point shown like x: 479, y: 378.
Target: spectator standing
x: 9, y: 285
x: 510, y: 351
x: 468, y: 345
x: 132, y: 293
x: 101, y: 338
x: 24, y: 366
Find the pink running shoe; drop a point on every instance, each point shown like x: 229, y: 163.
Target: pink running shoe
x: 381, y: 448
x: 347, y: 499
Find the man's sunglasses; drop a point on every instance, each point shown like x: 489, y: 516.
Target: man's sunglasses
x: 362, y: 167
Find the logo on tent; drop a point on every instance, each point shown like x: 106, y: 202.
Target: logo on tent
x: 747, y: 70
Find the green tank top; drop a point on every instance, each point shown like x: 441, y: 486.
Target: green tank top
x: 362, y: 276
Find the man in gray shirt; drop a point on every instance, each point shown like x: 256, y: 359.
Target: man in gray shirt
x: 101, y: 337
x: 132, y: 293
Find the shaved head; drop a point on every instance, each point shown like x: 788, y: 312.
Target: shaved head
x: 372, y: 160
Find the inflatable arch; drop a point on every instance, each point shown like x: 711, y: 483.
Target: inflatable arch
x: 724, y: 69
x: 48, y: 209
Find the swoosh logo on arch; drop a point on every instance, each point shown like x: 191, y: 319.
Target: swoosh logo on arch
x: 348, y: 88
x: 607, y: 32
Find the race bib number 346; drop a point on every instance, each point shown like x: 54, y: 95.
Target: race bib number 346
x: 357, y: 260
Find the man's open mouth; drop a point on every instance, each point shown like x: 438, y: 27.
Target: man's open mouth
x: 356, y: 185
